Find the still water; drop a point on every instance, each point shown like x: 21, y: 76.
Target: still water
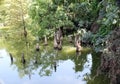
x: 65, y: 73
x: 48, y: 66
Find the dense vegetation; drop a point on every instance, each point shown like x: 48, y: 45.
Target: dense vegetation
x: 43, y: 17
x: 93, y: 20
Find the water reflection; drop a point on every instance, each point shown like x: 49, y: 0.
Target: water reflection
x: 11, y: 58
x: 64, y: 70
x: 46, y: 65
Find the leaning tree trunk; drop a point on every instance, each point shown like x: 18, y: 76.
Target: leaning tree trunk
x: 95, y: 25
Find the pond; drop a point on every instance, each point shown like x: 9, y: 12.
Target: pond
x: 48, y: 66
x: 65, y: 73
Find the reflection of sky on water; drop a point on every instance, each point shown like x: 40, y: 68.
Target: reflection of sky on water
x: 65, y: 73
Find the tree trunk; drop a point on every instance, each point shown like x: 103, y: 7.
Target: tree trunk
x: 45, y: 38
x: 78, y: 46
x: 55, y: 42
x: 60, y: 45
x: 58, y: 39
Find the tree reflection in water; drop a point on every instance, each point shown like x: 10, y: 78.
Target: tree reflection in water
x: 11, y: 58
x: 47, y: 60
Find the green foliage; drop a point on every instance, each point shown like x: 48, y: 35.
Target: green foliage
x: 110, y: 20
x: 47, y: 16
x: 52, y: 14
x: 1, y: 2
x: 87, y: 37
x: 12, y: 14
x: 2, y: 12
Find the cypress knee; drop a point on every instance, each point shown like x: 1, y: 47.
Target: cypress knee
x: 45, y: 38
x: 78, y: 46
x: 55, y: 42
